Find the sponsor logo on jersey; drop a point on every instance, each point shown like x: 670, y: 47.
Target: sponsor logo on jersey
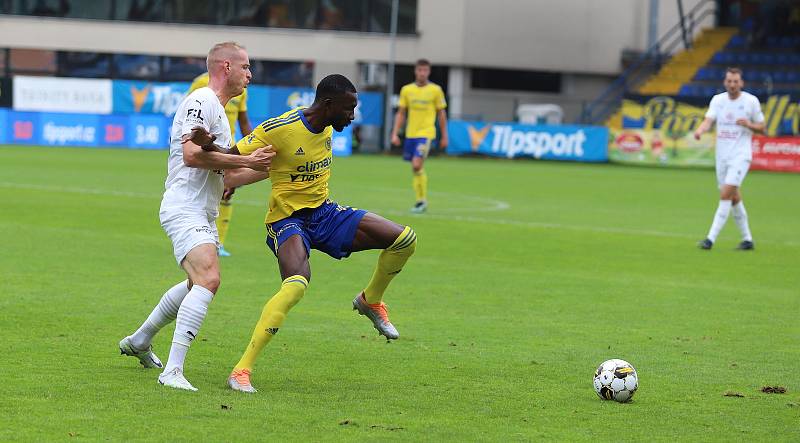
x: 315, y: 166
x: 304, y: 177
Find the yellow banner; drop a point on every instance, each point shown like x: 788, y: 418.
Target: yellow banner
x: 673, y: 117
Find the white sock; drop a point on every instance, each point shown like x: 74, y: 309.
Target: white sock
x: 165, y: 311
x: 723, y: 210
x: 740, y: 217
x: 187, y: 324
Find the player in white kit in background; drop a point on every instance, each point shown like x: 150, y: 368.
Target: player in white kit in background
x: 738, y: 114
x: 188, y: 211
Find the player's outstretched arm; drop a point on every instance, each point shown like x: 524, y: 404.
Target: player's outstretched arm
x: 194, y: 156
x: 199, y: 151
x: 235, y: 178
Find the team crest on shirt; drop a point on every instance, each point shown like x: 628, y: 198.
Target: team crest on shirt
x: 328, y: 143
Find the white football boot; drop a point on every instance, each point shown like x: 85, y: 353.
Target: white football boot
x: 175, y: 379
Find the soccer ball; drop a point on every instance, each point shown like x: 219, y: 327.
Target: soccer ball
x: 616, y: 379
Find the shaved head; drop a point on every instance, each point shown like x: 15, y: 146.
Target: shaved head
x: 228, y: 69
x: 221, y: 52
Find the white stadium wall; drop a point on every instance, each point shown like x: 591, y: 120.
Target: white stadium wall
x: 499, y: 33
x: 582, y: 39
x: 592, y: 34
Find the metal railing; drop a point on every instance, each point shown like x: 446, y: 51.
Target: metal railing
x: 647, y: 64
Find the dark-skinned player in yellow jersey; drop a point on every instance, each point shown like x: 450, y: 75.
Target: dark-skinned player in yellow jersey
x: 301, y: 217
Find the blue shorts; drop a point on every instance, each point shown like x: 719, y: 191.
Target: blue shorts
x: 329, y: 228
x: 416, y: 147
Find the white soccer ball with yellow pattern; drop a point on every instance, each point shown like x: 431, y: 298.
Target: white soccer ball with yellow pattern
x: 616, y: 380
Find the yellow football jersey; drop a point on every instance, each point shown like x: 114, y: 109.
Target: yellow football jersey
x: 301, y: 167
x: 232, y: 109
x: 422, y: 104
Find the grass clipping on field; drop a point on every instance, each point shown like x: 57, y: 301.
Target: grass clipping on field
x: 773, y: 390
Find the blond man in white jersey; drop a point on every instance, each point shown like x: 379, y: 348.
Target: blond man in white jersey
x: 189, y: 209
x: 738, y: 115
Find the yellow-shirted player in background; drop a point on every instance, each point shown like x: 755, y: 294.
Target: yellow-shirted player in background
x: 422, y: 102
x: 301, y: 217
x: 235, y: 110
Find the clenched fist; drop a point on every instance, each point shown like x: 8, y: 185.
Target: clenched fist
x: 201, y: 137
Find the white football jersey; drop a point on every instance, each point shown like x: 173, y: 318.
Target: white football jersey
x: 187, y: 188
x: 734, y: 141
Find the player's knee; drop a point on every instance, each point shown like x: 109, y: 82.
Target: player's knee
x: 409, y: 245
x: 210, y: 281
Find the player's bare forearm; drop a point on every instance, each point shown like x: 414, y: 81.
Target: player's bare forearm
x: 759, y: 128
x: 242, y: 177
x: 703, y: 128
x: 196, y: 157
x: 399, y: 121
x: 213, y: 147
x: 443, y: 123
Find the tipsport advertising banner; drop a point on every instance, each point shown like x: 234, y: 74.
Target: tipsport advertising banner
x: 660, y: 130
x: 546, y: 142
x: 141, y: 97
x: 57, y: 129
x: 121, y: 131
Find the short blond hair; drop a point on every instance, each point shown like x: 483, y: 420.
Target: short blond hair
x: 220, y: 52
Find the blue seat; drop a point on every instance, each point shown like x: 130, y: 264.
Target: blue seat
x: 739, y: 58
x: 753, y: 58
x: 718, y: 58
x: 792, y: 77
x: 768, y: 58
x: 737, y: 41
x: 764, y: 75
x: 772, y: 41
x: 686, y: 90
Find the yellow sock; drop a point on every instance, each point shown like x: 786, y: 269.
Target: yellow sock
x: 390, y: 263
x: 420, y: 184
x: 224, y: 219
x: 272, y: 317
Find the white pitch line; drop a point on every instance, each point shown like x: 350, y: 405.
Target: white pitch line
x: 393, y: 212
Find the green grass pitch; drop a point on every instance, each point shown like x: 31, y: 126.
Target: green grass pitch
x: 527, y: 276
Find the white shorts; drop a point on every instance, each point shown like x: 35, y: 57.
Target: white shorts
x: 187, y: 230
x: 732, y: 172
